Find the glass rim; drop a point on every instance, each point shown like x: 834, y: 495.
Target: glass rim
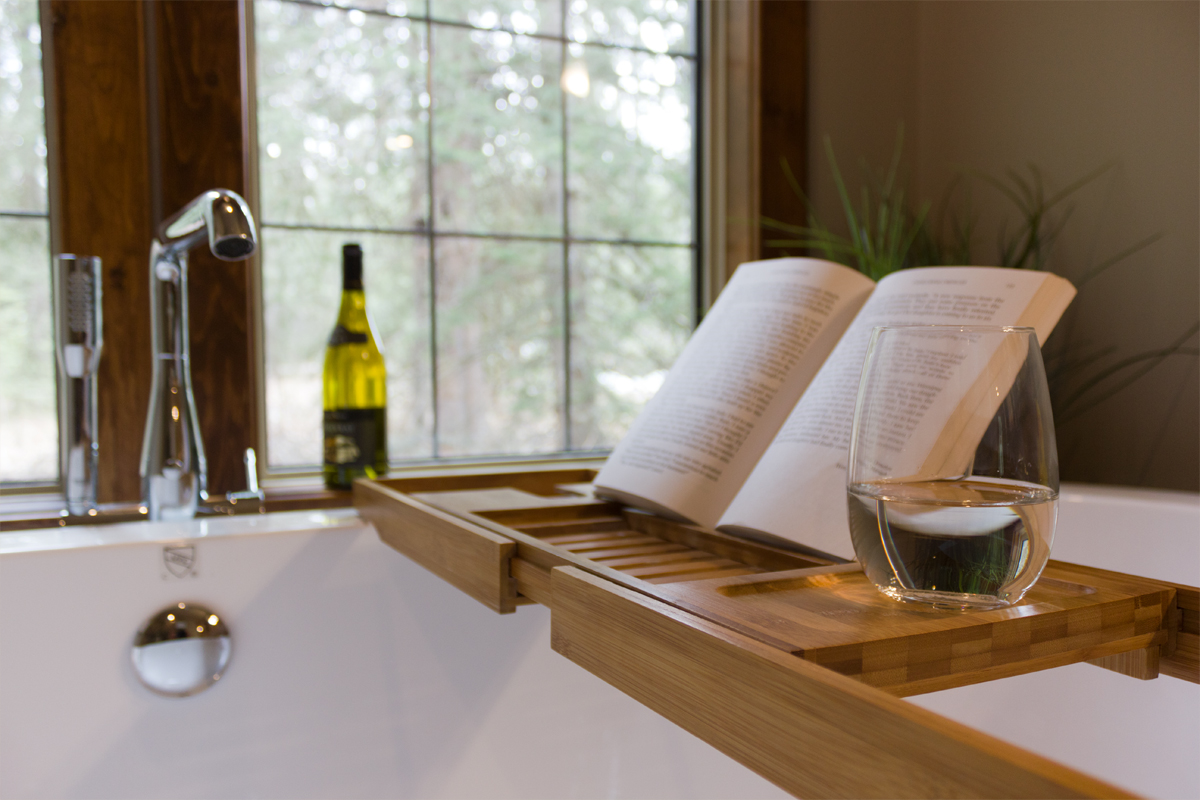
x: 961, y: 328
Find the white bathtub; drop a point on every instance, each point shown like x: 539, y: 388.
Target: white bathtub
x: 1142, y: 735
x: 354, y: 673
x: 357, y: 674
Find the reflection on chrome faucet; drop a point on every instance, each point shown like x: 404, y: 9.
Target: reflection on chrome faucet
x: 173, y: 468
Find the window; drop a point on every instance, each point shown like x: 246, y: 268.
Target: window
x: 137, y: 131
x: 521, y: 176
x: 28, y: 421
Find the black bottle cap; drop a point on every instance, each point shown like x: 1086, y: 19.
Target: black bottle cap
x: 351, y: 267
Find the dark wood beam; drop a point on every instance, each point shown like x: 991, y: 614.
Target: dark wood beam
x: 783, y: 128
x: 99, y: 118
x: 757, y: 118
x: 140, y: 130
x: 201, y: 146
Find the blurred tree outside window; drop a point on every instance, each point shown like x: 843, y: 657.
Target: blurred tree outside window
x: 28, y: 416
x: 521, y: 177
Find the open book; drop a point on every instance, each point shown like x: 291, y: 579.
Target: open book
x: 750, y: 431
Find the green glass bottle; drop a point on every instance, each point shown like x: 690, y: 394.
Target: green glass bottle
x: 355, y: 395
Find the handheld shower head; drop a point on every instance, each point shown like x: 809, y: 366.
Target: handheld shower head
x: 220, y: 214
x: 78, y: 340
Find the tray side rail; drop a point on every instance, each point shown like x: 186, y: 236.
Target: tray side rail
x: 1179, y: 657
x: 473, y: 559
x: 545, y: 483
x: 808, y: 730
x: 1183, y: 661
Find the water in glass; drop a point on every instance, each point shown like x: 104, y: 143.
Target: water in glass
x: 958, y: 543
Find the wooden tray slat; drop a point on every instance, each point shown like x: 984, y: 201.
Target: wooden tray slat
x: 546, y: 530
x: 609, y: 542
x: 754, y: 554
x: 614, y: 550
x: 562, y: 540
x: 690, y: 568
x: 731, y: 572
x: 621, y: 562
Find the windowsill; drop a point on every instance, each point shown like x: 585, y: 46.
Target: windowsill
x: 23, y: 513
x: 285, y: 493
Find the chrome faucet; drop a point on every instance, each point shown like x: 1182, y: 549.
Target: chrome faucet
x: 173, y: 468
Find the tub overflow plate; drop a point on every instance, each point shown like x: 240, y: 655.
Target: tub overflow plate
x: 181, y: 650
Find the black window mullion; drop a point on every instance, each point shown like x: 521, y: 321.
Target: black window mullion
x: 502, y: 237
x: 566, y: 230
x: 429, y: 19
x: 431, y: 238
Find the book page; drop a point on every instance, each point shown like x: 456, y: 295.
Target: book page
x: 797, y: 490
x: 733, y: 386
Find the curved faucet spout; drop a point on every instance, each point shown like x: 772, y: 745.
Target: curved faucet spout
x: 174, y: 470
x: 219, y: 214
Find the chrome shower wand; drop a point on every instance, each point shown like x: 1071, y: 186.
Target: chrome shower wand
x: 78, y: 339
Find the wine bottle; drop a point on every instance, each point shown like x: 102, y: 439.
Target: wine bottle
x: 355, y: 391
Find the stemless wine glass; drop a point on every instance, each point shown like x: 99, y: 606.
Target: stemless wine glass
x: 953, y: 472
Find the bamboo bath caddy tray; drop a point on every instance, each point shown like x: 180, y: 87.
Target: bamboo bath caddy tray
x: 787, y: 662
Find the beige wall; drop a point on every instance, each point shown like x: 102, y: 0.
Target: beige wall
x: 1067, y: 86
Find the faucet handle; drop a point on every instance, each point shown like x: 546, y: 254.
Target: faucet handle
x: 253, y: 491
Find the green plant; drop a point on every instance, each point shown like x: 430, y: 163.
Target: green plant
x: 885, y: 233
x: 1081, y: 374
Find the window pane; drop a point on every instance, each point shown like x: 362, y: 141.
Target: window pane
x: 497, y: 133
x: 630, y: 160
x: 519, y: 16
x: 302, y: 284
x: 22, y: 122
x: 342, y: 105
x: 496, y: 152
x: 28, y: 406
x: 500, y: 355
x: 631, y: 315
x: 28, y: 416
x: 657, y: 25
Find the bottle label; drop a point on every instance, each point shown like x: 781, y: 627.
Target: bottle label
x: 353, y: 437
x: 342, y: 335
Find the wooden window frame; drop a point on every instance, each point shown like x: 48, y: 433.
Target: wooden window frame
x: 137, y: 131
